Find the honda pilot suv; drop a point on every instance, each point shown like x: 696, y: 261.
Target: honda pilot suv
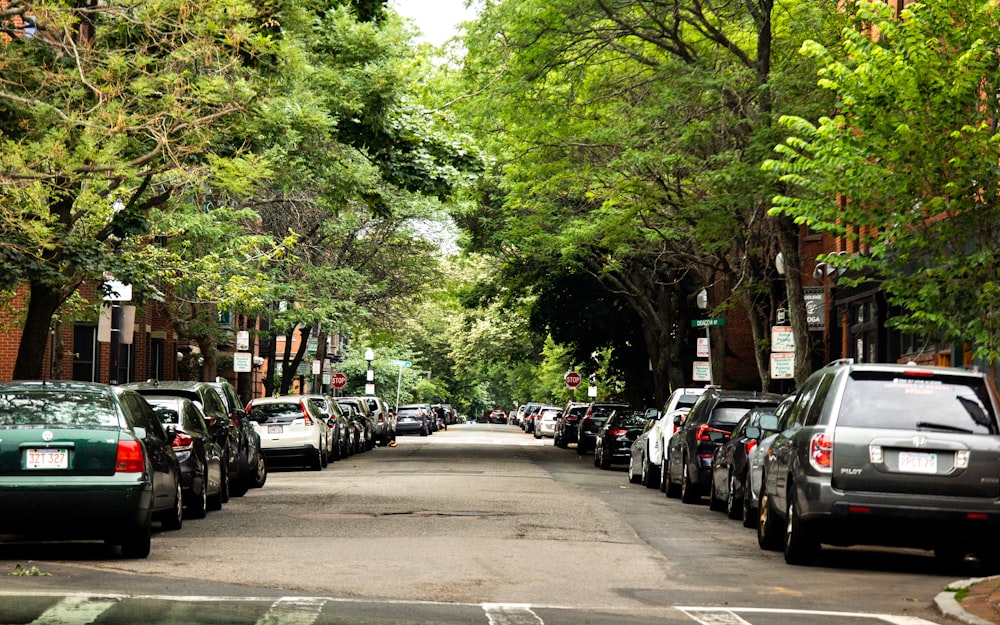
x: 880, y: 454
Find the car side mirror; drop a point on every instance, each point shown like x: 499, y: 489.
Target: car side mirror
x: 752, y: 431
x: 258, y: 416
x: 140, y: 432
x: 717, y: 437
x: 679, y: 420
x: 171, y: 432
x: 769, y: 422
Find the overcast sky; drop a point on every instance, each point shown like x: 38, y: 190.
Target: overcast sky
x: 436, y: 19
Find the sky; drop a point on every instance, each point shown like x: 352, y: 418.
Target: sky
x: 436, y: 19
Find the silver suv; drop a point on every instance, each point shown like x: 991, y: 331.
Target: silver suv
x: 896, y: 455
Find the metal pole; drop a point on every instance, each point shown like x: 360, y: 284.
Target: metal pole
x: 399, y: 382
x: 708, y: 337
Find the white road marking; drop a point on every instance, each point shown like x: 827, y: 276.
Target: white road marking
x: 887, y: 618
x: 293, y: 611
x: 714, y: 617
x: 75, y: 610
x: 511, y: 614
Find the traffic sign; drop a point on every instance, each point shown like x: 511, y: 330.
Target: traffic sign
x: 399, y: 363
x: 711, y: 321
x: 573, y: 379
x: 338, y: 380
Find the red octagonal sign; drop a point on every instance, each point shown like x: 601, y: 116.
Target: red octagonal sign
x: 573, y: 379
x: 339, y: 380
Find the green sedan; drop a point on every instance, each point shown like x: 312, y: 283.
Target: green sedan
x: 84, y: 461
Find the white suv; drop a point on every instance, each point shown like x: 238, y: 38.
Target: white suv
x: 290, y: 427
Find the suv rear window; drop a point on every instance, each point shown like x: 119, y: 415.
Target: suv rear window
x: 931, y: 403
x: 280, y: 412
x: 730, y: 412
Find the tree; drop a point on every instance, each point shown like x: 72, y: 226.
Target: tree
x: 628, y: 138
x: 912, y: 150
x: 106, y: 109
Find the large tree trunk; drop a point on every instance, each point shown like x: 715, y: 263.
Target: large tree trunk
x: 42, y: 305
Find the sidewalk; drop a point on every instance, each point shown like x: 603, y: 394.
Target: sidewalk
x: 978, y: 601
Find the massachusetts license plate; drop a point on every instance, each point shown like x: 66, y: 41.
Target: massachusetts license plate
x: 917, y: 462
x: 274, y: 429
x: 46, y: 459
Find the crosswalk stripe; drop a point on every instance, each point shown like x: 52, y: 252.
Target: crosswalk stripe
x: 511, y: 614
x: 75, y: 610
x: 293, y: 611
x: 714, y: 617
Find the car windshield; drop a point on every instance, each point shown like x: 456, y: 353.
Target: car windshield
x: 686, y: 401
x: 942, y: 404
x: 57, y: 408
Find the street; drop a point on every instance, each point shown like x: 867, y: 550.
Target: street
x: 477, y: 524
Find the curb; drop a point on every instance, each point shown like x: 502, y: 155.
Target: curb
x: 950, y: 607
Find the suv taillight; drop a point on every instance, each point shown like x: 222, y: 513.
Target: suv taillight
x: 703, y: 431
x: 305, y: 415
x: 749, y: 445
x: 821, y: 452
x: 182, y: 442
x: 617, y: 432
x: 130, y: 458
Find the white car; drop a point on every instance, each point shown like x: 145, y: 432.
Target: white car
x: 677, y: 405
x: 290, y: 427
x: 547, y: 423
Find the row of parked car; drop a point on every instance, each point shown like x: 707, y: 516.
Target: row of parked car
x: 92, y: 461
x: 894, y: 455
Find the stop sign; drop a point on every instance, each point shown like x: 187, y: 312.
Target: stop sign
x: 339, y: 380
x: 573, y: 379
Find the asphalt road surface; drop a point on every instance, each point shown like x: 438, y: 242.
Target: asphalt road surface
x: 480, y: 524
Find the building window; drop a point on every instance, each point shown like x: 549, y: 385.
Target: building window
x: 86, y: 355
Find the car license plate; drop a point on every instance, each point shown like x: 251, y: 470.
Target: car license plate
x: 274, y: 429
x: 46, y: 459
x: 917, y: 462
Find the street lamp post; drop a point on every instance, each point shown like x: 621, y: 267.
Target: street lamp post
x: 370, y: 386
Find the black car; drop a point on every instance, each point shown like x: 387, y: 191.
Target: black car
x: 731, y: 462
x: 592, y: 422
x: 566, y: 425
x: 708, y: 425
x: 613, y: 442
x: 411, y: 419
x: 224, y: 431
x: 364, y: 416
x: 256, y: 464
x: 199, y: 455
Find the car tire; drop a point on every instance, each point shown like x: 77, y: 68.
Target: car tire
x: 734, y: 504
x: 135, y: 543
x: 173, y: 519
x: 316, y: 460
x: 198, y: 504
x: 633, y: 477
x: 649, y: 473
x: 224, y: 484
x: 768, y: 532
x: 605, y: 460
x: 663, y: 474
x: 689, y: 490
x: 597, y: 460
x: 801, y: 542
x: 714, y: 503
x: 749, y: 512
x: 672, y: 490
x: 324, y: 458
x: 243, y: 477
x: 215, y: 501
x: 260, y: 475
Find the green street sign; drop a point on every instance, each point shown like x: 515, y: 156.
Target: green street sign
x: 711, y: 321
x: 399, y: 363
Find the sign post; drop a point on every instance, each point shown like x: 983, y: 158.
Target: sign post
x: 399, y: 378
x: 699, y: 368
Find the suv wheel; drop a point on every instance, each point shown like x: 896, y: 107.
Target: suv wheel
x: 734, y: 506
x: 672, y: 490
x: 260, y: 475
x: 768, y: 536
x: 689, y: 490
x: 801, y: 543
x: 174, y: 518
x: 749, y: 514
